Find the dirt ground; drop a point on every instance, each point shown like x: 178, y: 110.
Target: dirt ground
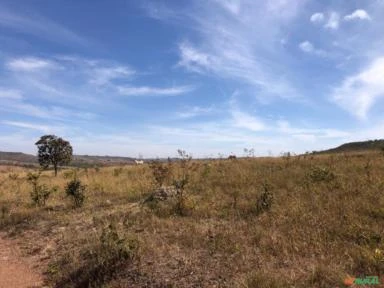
x: 16, y: 271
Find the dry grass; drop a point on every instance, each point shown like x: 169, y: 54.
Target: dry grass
x: 325, y: 221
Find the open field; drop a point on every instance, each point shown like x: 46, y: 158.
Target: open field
x: 303, y: 221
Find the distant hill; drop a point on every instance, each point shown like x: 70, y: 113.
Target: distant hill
x: 370, y: 145
x: 17, y: 158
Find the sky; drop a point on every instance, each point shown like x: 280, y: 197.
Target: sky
x: 212, y: 77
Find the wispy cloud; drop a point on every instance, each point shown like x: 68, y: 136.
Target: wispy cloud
x: 159, y: 11
x: 45, y: 112
x: 285, y: 127
x: 104, y: 75
x: 190, y: 112
x: 358, y: 92
x: 29, y: 64
x: 97, y: 72
x: 231, y: 6
x: 240, y: 45
x: 154, y: 91
x: 39, y: 26
x: 10, y: 94
x: 26, y: 125
x: 358, y: 14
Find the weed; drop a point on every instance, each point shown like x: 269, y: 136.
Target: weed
x: 265, y: 200
x: 39, y: 193
x: 76, y: 190
x: 160, y: 172
x: 13, y: 176
x: 117, y: 171
x: 319, y: 174
x: 100, y: 261
x: 182, y: 179
x: 4, y: 210
x: 68, y: 174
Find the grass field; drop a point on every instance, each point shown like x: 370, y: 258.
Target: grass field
x: 302, y: 221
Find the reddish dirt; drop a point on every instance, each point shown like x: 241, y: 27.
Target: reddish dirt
x: 15, y: 270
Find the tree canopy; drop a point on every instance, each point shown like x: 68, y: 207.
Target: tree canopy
x: 53, y: 150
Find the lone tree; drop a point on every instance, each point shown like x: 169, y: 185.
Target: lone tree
x: 53, y: 150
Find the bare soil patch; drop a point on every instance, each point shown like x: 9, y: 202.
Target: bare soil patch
x: 15, y: 270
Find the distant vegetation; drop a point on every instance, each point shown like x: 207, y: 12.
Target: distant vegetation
x: 370, y: 145
x: 82, y: 161
x: 87, y: 161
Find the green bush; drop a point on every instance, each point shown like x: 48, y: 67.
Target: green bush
x: 39, y: 193
x: 76, y: 190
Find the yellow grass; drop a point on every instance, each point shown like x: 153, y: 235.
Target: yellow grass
x: 326, y: 222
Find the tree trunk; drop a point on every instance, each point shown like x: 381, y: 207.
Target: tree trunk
x: 55, y: 167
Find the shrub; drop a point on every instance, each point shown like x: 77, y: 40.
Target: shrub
x: 182, y: 179
x: 117, y: 171
x: 160, y: 172
x: 13, y: 176
x: 98, y: 262
x: 76, y: 190
x: 39, y: 193
x: 69, y: 174
x: 319, y: 174
x: 265, y: 200
x: 4, y: 210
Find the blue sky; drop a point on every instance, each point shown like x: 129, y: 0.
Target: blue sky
x: 146, y: 78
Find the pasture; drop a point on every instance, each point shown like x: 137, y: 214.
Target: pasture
x: 299, y: 221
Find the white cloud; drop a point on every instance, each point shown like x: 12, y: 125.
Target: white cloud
x: 358, y: 93
x: 358, y: 14
x: 317, y: 17
x: 194, y: 60
x: 333, y: 21
x: 10, y: 94
x: 26, y: 125
x: 153, y: 91
x: 103, y: 75
x: 29, y: 64
x: 190, y: 112
x: 308, y: 47
x: 249, y: 122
